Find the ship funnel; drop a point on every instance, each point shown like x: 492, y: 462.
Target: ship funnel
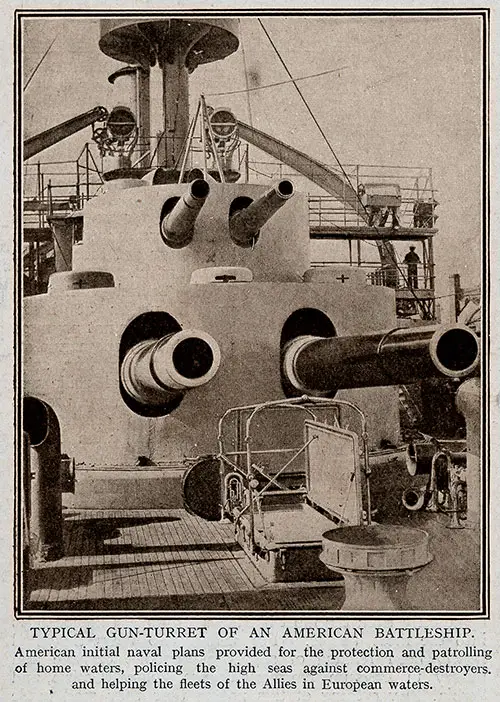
x: 177, y: 227
x: 318, y: 365
x: 156, y: 370
x: 244, y: 224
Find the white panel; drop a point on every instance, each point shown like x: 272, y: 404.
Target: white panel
x: 333, y: 471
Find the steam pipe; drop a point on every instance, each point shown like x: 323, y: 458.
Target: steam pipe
x: 39, y: 142
x: 244, y: 225
x: 45, y: 508
x: 177, y: 227
x: 316, y: 365
x: 155, y: 371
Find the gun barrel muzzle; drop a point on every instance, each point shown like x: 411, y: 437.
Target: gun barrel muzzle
x: 317, y: 365
x: 413, y: 498
x: 245, y: 224
x: 156, y: 370
x: 177, y: 227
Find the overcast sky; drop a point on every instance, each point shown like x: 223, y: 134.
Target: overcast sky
x: 407, y: 92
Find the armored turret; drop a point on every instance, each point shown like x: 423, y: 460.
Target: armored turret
x: 182, y: 299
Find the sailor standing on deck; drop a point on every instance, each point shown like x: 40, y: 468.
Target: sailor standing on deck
x: 412, y: 260
x: 393, y: 210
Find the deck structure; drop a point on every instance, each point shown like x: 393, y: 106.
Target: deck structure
x: 170, y: 561
x: 160, y: 560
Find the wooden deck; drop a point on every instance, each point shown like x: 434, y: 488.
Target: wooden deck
x: 169, y: 560
x: 161, y: 560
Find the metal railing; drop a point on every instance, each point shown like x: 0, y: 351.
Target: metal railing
x: 61, y: 184
x: 396, y: 277
x: 49, y: 188
x: 415, y: 211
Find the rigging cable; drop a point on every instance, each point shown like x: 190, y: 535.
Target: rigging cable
x: 33, y: 72
x: 392, y: 255
x: 156, y: 148
x: 306, y: 104
x: 245, y: 68
x: 281, y: 82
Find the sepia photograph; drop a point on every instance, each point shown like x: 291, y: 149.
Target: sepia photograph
x: 252, y: 332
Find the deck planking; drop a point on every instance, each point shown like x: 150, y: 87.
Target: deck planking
x: 156, y: 559
x: 169, y: 560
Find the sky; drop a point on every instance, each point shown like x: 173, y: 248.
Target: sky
x: 406, y: 91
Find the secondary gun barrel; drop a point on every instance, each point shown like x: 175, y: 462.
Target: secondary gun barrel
x: 318, y: 365
x: 177, y: 227
x: 156, y: 370
x: 244, y: 225
x: 39, y: 142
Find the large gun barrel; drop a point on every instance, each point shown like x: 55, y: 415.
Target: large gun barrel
x: 244, y: 224
x: 323, y: 365
x: 156, y: 370
x: 177, y: 227
x: 35, y: 144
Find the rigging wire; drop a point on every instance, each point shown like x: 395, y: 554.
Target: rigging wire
x: 281, y: 82
x: 266, y: 175
x: 245, y: 68
x: 392, y: 255
x: 34, y: 71
x: 156, y: 148
x: 313, y: 117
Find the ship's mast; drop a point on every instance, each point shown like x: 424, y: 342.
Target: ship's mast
x: 177, y: 46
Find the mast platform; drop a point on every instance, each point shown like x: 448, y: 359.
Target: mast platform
x: 346, y: 232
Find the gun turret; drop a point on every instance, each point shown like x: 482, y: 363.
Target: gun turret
x: 177, y: 226
x: 323, y: 365
x: 156, y: 370
x: 245, y: 223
